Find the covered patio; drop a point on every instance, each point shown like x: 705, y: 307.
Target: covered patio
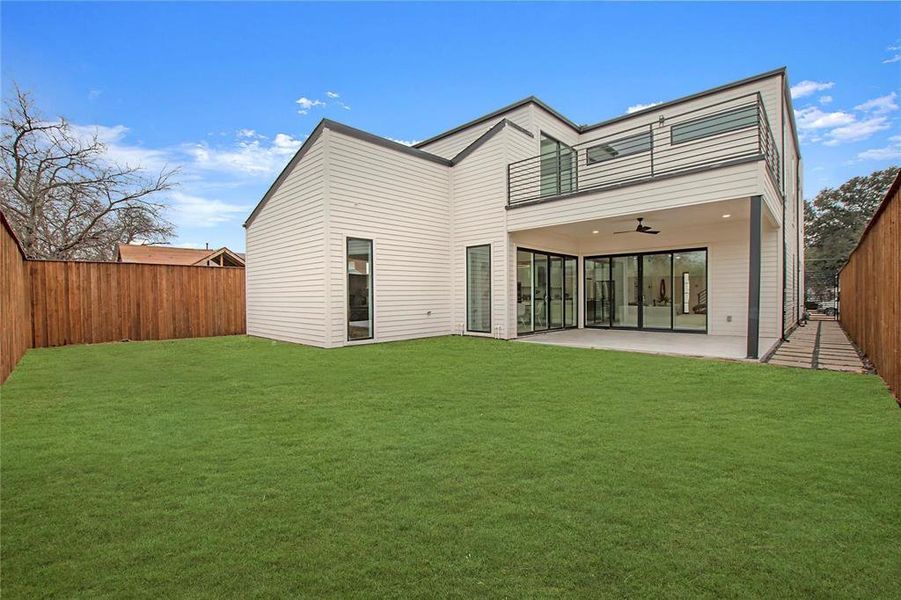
x: 681, y: 344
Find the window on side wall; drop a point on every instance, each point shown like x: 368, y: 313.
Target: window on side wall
x: 721, y: 122
x: 626, y: 146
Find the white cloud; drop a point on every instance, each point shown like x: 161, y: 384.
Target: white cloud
x: 879, y: 106
x: 404, y: 142
x: 896, y: 55
x: 825, y: 99
x: 807, y: 87
x: 812, y: 117
x: 638, y: 107
x: 306, y: 104
x: 250, y: 156
x: 118, y: 150
x: 333, y: 95
x: 249, y: 133
x: 857, y: 131
x: 890, y: 152
x: 893, y: 59
x: 193, y: 211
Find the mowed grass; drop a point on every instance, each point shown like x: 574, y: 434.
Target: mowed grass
x: 450, y: 467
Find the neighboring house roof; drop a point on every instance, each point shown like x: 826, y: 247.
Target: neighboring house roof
x: 169, y: 255
x: 417, y: 151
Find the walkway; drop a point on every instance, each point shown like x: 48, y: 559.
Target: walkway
x: 821, y: 344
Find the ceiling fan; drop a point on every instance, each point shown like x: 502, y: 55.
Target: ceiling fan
x: 640, y: 229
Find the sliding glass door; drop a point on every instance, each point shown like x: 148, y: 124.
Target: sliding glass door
x: 626, y: 289
x: 546, y: 291
x: 652, y: 290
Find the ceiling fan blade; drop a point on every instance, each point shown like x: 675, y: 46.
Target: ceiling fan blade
x: 651, y: 231
x: 619, y: 232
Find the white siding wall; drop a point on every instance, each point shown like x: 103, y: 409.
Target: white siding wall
x: 721, y: 184
x: 402, y: 203
x: 285, y: 258
x: 479, y: 214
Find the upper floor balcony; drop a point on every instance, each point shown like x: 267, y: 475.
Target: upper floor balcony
x: 716, y: 135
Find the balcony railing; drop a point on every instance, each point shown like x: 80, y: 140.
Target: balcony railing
x: 715, y: 135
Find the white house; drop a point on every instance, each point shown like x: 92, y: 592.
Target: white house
x: 512, y: 225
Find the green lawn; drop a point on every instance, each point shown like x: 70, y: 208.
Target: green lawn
x: 444, y: 467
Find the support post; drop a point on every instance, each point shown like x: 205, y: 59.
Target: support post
x: 756, y: 222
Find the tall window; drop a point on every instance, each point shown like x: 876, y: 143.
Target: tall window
x: 359, y: 289
x: 558, y: 167
x: 478, y: 288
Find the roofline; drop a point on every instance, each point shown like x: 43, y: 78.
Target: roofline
x: 497, y: 113
x: 222, y: 250
x: 695, y: 96
x: 585, y: 128
x: 379, y: 141
x: 892, y: 190
x: 787, y: 95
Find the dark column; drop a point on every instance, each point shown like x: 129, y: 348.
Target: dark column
x: 754, y: 276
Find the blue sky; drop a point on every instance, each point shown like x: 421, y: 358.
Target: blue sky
x: 213, y: 88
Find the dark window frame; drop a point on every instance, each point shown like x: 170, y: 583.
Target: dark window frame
x: 347, y: 241
x: 750, y: 108
x: 565, y: 257
x: 558, y: 155
x: 640, y: 256
x: 594, y: 161
x: 490, y: 289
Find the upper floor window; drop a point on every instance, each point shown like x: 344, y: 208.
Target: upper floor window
x: 721, y: 122
x: 557, y: 167
x: 632, y: 144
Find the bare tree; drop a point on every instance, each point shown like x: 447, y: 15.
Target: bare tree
x: 63, y: 196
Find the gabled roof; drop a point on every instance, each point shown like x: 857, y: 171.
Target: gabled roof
x: 169, y: 255
x: 379, y: 141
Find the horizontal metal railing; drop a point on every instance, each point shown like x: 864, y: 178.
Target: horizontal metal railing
x: 717, y: 134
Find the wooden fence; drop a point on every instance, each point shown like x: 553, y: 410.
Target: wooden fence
x: 15, y: 301
x: 55, y: 303
x: 870, y: 284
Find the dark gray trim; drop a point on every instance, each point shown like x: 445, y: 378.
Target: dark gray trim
x: 350, y: 132
x: 497, y: 127
x: 497, y: 113
x: 656, y: 107
x: 469, y: 289
x: 307, y: 144
x: 754, y: 232
x: 641, y: 181
x: 347, y: 241
x: 519, y: 128
x: 787, y: 99
x: 384, y: 142
x: 584, y: 128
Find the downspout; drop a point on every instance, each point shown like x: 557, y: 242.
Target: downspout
x: 782, y: 191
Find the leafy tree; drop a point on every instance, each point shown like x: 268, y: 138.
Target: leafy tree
x: 834, y: 222
x: 62, y: 195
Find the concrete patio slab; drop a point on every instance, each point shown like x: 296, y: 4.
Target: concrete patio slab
x: 679, y: 344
